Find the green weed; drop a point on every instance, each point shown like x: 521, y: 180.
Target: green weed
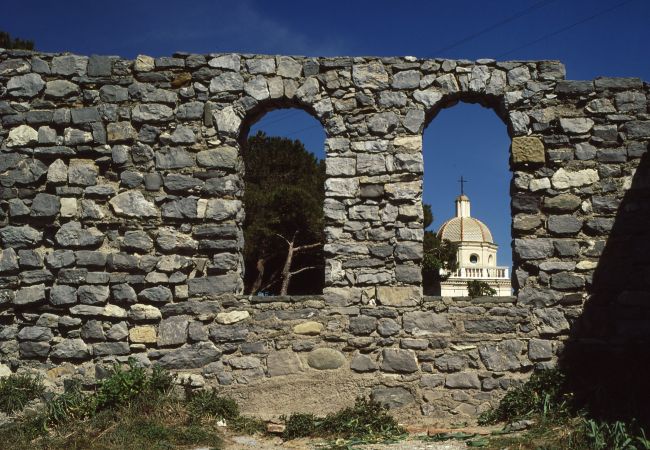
x: 366, y: 420
x: 16, y: 390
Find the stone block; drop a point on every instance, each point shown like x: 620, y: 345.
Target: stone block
x: 325, y: 359
x: 396, y: 360
x: 310, y: 328
x: 284, y: 362
x: 463, y: 380
x: 145, y: 334
x: 398, y: 295
x: 527, y: 149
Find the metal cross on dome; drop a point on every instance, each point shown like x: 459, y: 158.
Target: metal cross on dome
x: 462, y: 182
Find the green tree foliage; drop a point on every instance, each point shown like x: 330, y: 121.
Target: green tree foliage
x: 284, y: 195
x: 438, y: 254
x: 6, y: 41
x: 477, y: 288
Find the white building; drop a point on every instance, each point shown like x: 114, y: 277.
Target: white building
x: 477, y: 254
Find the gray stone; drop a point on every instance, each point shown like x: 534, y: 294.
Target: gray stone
x: 82, y: 173
x: 637, y: 129
x: 362, y: 325
x: 28, y: 85
x: 190, y: 357
x: 61, y: 89
x: 563, y: 225
x: 173, y: 158
x: 502, y: 356
x: 551, y: 321
x: 450, y: 363
x: 579, y: 125
x: 74, y: 349
x: 69, y: 65
x: 89, y: 258
x: 148, y: 93
x: 123, y: 293
x: 392, y: 397
x: 540, y: 350
x: 117, y: 332
x: 113, y: 94
x: 111, y: 348
x: 213, y: 285
x: 42, y: 334
x: 85, y: 115
x: 533, y: 248
x: 173, y: 331
x: 45, y: 205
x: 396, y: 360
x: 157, y: 294
x: 20, y: 237
x: 30, y: 295
x: 382, y: 123
x: 92, y: 331
x: 283, y: 362
x: 372, y: 75
x: 72, y: 235
x: 463, y: 380
x: 144, y: 313
x: 244, y: 362
x: 261, y: 65
x: 567, y: 281
x: 137, y: 240
x: 420, y: 323
x: 363, y: 363
x: 93, y: 294
x: 387, y: 327
x: 31, y: 349
x: 133, y: 204
x: 63, y: 295
x: 121, y: 132
x: 152, y: 113
x: 28, y: 259
x: 227, y: 82
x: 325, y: 359
x: 8, y: 260
x: 220, y: 158
x: 229, y: 62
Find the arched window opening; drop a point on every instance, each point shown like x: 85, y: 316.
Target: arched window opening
x: 465, y: 151
x: 283, y: 199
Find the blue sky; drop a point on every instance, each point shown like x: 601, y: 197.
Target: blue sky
x: 591, y: 37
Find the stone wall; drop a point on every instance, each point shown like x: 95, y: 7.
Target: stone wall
x: 121, y: 213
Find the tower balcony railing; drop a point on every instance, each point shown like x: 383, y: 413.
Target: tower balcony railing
x: 497, y: 272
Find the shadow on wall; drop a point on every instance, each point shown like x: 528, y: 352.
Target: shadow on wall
x: 607, y: 358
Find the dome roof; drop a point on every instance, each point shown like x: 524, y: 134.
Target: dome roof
x: 465, y: 229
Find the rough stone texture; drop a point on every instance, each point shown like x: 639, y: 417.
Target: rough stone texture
x: 121, y: 221
x: 325, y: 359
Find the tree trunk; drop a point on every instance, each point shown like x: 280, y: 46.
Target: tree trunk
x: 286, y: 270
x: 260, y: 275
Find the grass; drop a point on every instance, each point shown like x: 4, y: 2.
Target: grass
x: 131, y: 409
x: 18, y: 390
x: 558, y: 424
x: 366, y: 421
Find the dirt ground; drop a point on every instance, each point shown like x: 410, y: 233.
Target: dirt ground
x: 270, y: 443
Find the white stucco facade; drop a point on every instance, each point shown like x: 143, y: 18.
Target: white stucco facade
x: 477, y: 254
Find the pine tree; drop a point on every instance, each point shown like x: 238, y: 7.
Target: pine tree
x: 7, y: 42
x: 283, y: 229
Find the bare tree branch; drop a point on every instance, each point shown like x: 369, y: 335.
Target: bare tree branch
x: 274, y: 279
x: 306, y: 247
x: 283, y: 238
x: 303, y: 269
